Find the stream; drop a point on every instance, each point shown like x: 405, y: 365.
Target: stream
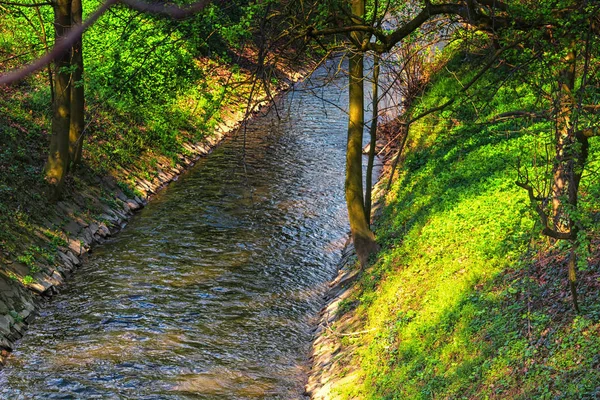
x: 212, y: 290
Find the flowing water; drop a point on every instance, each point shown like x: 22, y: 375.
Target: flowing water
x: 209, y: 292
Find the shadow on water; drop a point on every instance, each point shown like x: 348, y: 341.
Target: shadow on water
x: 209, y: 292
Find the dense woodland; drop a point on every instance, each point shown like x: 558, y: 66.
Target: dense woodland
x: 479, y: 278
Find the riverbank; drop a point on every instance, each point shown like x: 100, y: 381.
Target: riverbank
x: 42, y: 244
x: 465, y: 299
x: 331, y: 352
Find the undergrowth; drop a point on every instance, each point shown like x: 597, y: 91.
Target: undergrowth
x: 466, y: 299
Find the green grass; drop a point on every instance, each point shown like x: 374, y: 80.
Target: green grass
x: 133, y: 131
x: 466, y: 300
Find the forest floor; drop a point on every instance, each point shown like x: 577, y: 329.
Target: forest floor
x: 125, y: 163
x: 466, y: 299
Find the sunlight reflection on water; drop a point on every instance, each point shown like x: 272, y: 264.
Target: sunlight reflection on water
x: 210, y: 291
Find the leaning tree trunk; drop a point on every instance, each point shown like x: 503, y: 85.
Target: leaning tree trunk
x: 77, y: 92
x: 364, y: 240
x: 58, y: 158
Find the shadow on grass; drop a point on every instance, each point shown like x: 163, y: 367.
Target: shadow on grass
x: 460, y: 308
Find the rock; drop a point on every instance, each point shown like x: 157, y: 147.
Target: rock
x: 79, y: 200
x: 58, y: 277
x: 110, y: 182
x: 119, y: 216
x: 18, y: 330
x: 5, y: 345
x: 133, y: 205
x: 82, y: 222
x: 93, y: 228
x: 5, y: 325
x: 3, y: 308
x: 73, y: 258
x: 109, y: 217
x: 142, y: 192
x: 20, y: 269
x: 48, y: 279
x: 163, y: 177
x: 5, y: 286
x: 41, y: 286
x: 88, y: 237
x: 19, y: 326
x: 105, y: 230
x: 65, y: 208
x: 10, y: 301
x: 65, y: 258
x: 24, y: 313
x: 121, y: 196
x: 12, y: 314
x: 75, y: 246
x: 73, y: 228
x: 55, y: 220
x: 145, y: 184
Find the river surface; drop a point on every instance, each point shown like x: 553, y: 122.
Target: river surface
x: 211, y: 291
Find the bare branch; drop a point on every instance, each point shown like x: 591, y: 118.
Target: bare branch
x: 591, y: 108
x: 588, y: 133
x: 517, y: 114
x: 10, y: 3
x: 75, y: 33
x: 169, y: 10
x: 59, y: 48
x: 543, y: 216
x: 468, y: 85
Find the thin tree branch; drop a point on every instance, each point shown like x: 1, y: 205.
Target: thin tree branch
x: 11, y: 3
x: 60, y: 47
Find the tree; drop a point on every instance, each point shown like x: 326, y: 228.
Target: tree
x: 373, y: 138
x: 559, y: 26
x: 68, y: 100
x: 570, y: 88
x: 77, y: 124
x: 58, y: 156
x: 364, y: 239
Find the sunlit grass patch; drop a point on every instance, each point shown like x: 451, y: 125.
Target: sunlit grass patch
x: 460, y: 302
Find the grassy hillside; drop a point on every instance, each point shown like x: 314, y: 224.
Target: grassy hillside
x: 466, y: 299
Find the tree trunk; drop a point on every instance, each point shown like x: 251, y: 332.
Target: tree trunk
x: 373, y: 134
x: 77, y: 92
x: 364, y: 240
x: 404, y: 131
x: 572, y: 268
x: 58, y: 158
x: 563, y: 191
x: 571, y: 155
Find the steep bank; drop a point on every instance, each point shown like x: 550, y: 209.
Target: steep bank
x: 465, y: 299
x: 42, y: 243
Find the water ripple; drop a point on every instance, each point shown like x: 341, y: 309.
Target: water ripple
x: 209, y: 292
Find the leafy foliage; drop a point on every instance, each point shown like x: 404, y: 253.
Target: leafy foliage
x: 465, y: 300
